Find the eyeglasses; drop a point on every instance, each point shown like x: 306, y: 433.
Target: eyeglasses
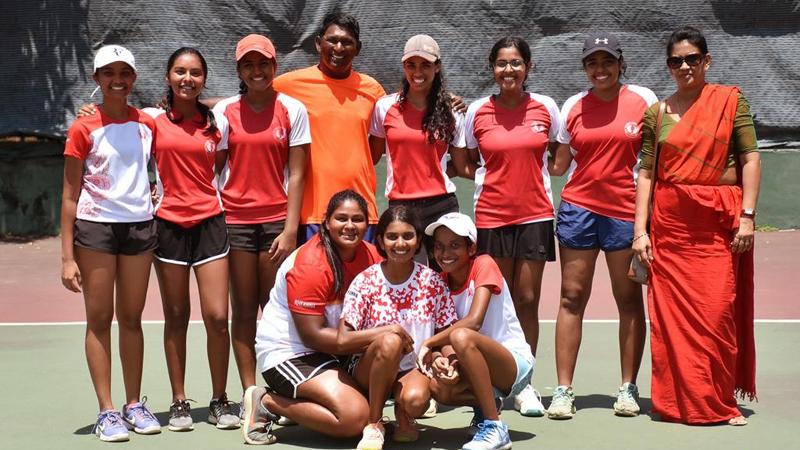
x: 675, y: 62
x: 515, y: 64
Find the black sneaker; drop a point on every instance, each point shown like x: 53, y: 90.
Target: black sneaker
x: 220, y: 413
x: 180, y: 418
x: 258, y: 420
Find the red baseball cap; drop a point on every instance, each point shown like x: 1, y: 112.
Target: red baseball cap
x: 255, y: 43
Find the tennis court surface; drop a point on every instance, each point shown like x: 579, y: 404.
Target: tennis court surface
x: 49, y: 402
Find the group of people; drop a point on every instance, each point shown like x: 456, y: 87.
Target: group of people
x: 272, y: 192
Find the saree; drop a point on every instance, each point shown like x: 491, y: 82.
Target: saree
x: 700, y: 296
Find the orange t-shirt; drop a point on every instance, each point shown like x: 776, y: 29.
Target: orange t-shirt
x: 339, y: 113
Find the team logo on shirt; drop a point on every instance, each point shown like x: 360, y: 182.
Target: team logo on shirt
x: 632, y: 129
x: 210, y: 146
x: 539, y: 127
x: 279, y: 133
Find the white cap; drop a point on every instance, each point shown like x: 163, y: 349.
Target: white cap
x: 111, y: 54
x: 458, y: 223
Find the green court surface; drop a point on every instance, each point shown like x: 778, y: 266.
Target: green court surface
x: 49, y: 401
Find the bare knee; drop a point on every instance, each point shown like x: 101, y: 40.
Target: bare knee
x: 388, y: 346
x: 176, y: 317
x: 462, y: 338
x: 129, y: 323
x: 573, y: 298
x: 216, y: 324
x: 442, y: 393
x: 353, y: 420
x: 526, y: 300
x: 414, y: 400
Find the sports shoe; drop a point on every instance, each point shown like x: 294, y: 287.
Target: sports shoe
x: 563, y: 404
x: 110, y: 427
x: 491, y: 435
x: 180, y: 418
x: 478, y: 417
x: 372, y: 437
x: 433, y: 408
x: 406, y: 429
x: 258, y: 420
x: 529, y: 402
x: 220, y: 413
x: 140, y: 418
x: 627, y: 404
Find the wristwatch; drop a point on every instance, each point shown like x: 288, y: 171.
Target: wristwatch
x: 749, y: 213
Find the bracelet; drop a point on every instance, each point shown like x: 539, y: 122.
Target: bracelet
x: 639, y: 236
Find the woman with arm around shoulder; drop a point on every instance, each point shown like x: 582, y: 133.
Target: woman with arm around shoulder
x: 509, y: 134
x: 297, y: 334
x: 699, y: 250
x: 599, y: 142
x: 397, y: 292
x: 108, y: 236
x: 415, y: 128
x: 191, y: 233
x: 261, y: 187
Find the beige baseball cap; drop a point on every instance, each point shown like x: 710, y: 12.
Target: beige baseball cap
x: 423, y: 46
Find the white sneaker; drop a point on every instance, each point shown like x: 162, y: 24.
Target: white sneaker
x: 627, y: 404
x: 373, y: 437
x: 529, y: 402
x: 563, y: 404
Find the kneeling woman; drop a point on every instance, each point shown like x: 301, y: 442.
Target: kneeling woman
x: 485, y: 356
x: 393, y: 306
x: 297, y: 336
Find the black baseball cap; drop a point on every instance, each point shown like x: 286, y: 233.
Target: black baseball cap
x: 605, y: 42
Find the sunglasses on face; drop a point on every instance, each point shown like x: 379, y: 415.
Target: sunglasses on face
x: 675, y: 62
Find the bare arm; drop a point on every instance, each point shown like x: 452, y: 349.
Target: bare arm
x: 377, y: 146
x: 641, y: 241
x: 351, y: 341
x: 751, y: 183
x: 473, y: 320
x: 560, y: 158
x: 73, y: 173
x: 463, y: 162
x: 286, y: 242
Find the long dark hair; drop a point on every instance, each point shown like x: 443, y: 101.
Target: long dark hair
x: 438, y: 122
x: 205, y: 111
x: 334, y: 260
x: 399, y: 213
x: 512, y: 42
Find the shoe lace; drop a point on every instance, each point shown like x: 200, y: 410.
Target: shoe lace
x: 140, y: 411
x: 485, y: 432
x: 222, y: 406
x: 627, y: 393
x: 181, y: 407
x: 561, y: 397
x: 107, y: 418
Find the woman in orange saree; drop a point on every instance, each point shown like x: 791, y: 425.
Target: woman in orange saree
x: 700, y: 246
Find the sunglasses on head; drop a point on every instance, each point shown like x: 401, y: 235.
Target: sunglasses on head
x: 675, y: 62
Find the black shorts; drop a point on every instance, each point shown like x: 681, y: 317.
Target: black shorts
x: 429, y: 210
x: 204, y: 242
x: 288, y: 375
x: 125, y: 238
x: 530, y: 241
x: 256, y: 237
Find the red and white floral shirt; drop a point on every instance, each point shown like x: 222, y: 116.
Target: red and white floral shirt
x: 421, y: 305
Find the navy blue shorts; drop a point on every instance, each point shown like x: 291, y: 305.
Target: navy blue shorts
x: 581, y: 229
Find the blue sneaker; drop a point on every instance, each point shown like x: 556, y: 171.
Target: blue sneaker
x: 110, y: 427
x: 491, y: 435
x: 140, y: 418
x: 478, y: 417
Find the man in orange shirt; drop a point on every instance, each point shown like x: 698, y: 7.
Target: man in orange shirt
x: 339, y: 101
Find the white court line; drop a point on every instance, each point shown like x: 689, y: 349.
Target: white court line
x: 195, y: 322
